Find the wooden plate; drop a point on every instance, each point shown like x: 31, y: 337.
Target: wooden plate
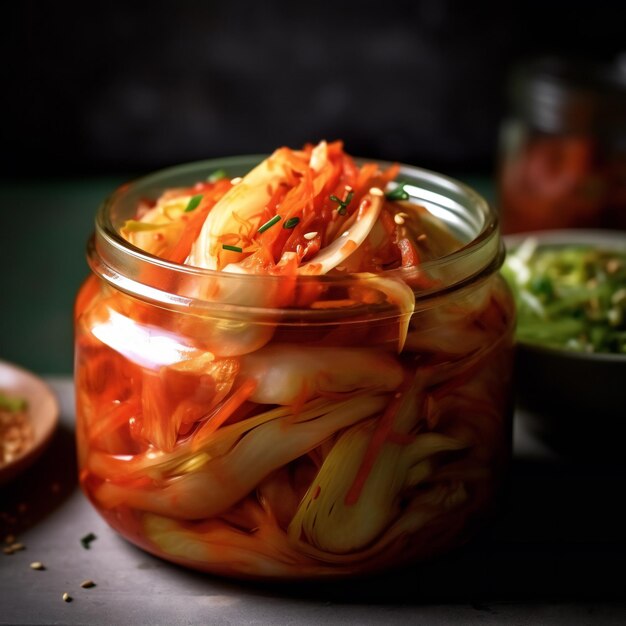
x: 43, y: 413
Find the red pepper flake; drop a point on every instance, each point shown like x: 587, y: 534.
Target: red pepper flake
x: 349, y: 247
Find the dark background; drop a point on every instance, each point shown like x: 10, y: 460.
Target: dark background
x: 95, y: 93
x: 97, y: 87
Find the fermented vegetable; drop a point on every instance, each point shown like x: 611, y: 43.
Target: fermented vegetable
x: 281, y: 387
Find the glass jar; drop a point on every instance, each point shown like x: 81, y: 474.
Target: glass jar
x: 563, y: 148
x: 365, y: 426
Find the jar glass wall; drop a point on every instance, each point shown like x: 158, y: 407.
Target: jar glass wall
x: 301, y: 441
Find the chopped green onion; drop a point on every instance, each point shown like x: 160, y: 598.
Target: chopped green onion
x: 193, y: 203
x: 292, y: 222
x: 269, y: 223
x: 232, y: 248
x: 566, y: 298
x: 343, y: 204
x: 87, y: 539
x: 399, y: 193
x: 216, y: 175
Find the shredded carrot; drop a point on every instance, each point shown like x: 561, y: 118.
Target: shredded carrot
x: 192, y: 229
x: 110, y: 422
x: 223, y: 412
x: 379, y: 437
x: 212, y: 193
x: 409, y: 253
x: 366, y: 175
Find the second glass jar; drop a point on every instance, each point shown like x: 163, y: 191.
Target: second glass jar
x: 563, y: 148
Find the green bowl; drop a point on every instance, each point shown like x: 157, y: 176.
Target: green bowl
x: 575, y: 401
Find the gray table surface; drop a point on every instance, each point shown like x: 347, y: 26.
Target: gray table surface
x: 556, y: 554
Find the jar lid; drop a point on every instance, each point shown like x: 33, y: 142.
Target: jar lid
x: 559, y: 95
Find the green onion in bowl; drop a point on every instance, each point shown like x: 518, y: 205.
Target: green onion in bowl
x: 570, y: 362
x: 570, y: 296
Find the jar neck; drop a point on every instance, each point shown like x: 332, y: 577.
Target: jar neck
x: 141, y: 275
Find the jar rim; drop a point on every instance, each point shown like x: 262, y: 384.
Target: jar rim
x: 119, y: 262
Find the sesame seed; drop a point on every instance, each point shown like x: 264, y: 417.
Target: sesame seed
x: 612, y: 266
x: 309, y: 236
x: 87, y: 584
x: 375, y: 191
x: 37, y: 565
x: 67, y: 597
x: 348, y: 188
x: 236, y: 180
x: 421, y: 238
x: 398, y: 219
